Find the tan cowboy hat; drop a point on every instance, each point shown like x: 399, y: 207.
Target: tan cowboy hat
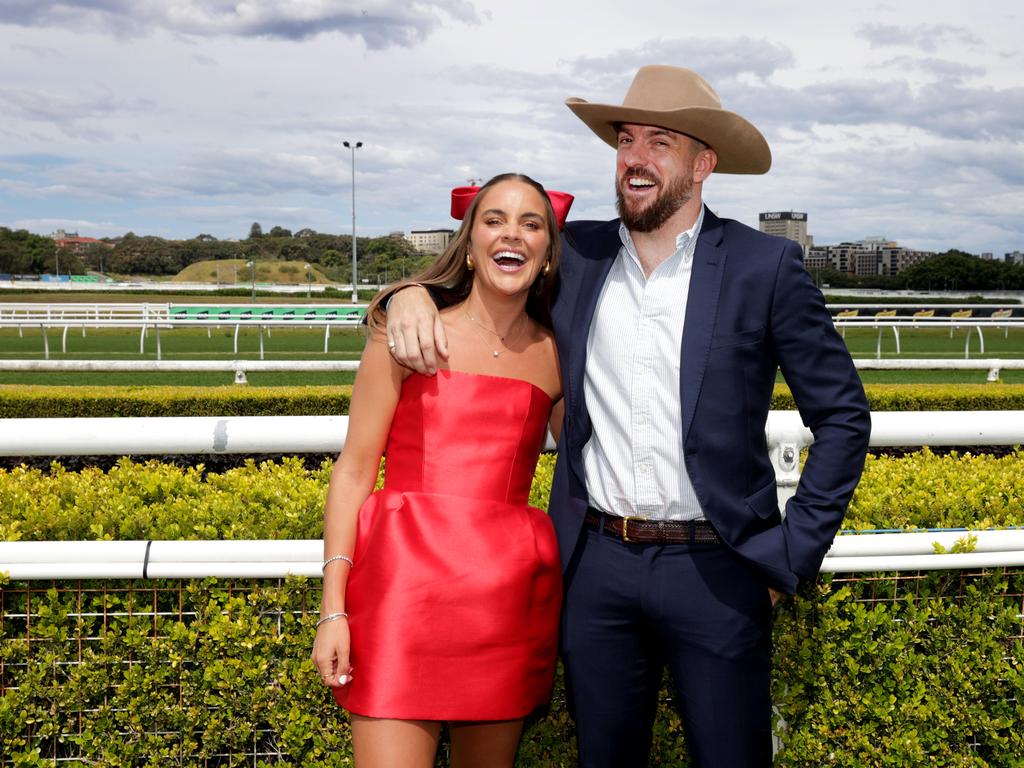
x: 681, y: 100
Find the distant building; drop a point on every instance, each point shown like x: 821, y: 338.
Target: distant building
x: 871, y: 257
x: 987, y: 256
x: 430, y: 240
x: 78, y: 244
x: 1014, y: 257
x: 789, y: 224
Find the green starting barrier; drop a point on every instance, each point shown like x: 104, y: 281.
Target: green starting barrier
x: 298, y: 313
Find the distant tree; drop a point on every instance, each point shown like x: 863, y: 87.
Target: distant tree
x: 280, y: 232
x: 146, y: 256
x: 22, y: 252
x: 255, y: 231
x: 957, y: 270
x: 331, y: 258
x: 292, y: 251
x: 204, y: 238
x: 94, y: 256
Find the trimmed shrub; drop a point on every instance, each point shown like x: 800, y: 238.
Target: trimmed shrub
x: 871, y: 670
x: 17, y: 401
x: 48, y: 401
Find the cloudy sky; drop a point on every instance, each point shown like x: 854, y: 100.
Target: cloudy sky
x: 902, y: 119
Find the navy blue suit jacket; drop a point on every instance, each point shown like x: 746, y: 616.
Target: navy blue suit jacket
x: 752, y: 309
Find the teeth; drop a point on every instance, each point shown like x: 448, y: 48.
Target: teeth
x: 510, y: 255
x: 641, y: 183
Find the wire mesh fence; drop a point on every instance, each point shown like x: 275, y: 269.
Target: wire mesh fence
x: 197, y: 673
x: 216, y: 672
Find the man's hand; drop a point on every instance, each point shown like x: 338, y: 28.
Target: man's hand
x: 416, y: 334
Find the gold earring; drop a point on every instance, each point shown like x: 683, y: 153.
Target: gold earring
x: 547, y: 268
x: 469, y: 262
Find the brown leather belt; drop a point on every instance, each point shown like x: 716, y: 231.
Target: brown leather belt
x: 636, y: 529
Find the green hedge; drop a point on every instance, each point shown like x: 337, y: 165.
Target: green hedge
x: 875, y: 670
x: 860, y: 679
x: 927, y: 670
x: 18, y: 401
x: 929, y: 397
x: 283, y: 500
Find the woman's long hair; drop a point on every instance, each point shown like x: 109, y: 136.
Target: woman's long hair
x: 449, y: 279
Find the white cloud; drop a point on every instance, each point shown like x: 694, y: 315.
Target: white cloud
x: 175, y: 117
x: 380, y: 23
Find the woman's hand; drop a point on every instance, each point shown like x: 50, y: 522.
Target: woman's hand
x: 415, y: 332
x: 331, y: 653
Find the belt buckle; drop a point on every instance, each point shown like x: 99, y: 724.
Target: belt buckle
x: 625, y: 527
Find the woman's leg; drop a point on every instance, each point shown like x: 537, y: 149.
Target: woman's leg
x: 382, y: 743
x: 485, y: 745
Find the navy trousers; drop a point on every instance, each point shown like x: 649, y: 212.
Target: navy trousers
x: 632, y: 609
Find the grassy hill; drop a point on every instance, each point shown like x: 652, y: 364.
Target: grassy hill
x: 236, y: 271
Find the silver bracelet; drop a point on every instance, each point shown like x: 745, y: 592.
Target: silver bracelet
x: 332, y: 617
x: 330, y: 560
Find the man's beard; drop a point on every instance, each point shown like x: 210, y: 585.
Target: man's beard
x: 661, y: 210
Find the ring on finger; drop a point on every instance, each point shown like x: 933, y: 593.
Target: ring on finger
x: 391, y: 345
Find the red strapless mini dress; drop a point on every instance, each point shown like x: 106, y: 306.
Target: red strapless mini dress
x: 454, y: 599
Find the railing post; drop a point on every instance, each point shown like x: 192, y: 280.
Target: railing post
x: 786, y: 459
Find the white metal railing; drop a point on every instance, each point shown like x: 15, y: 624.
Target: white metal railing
x: 149, y: 311
x: 258, y: 559
x: 239, y: 367
x: 172, y: 434
x: 326, y: 434
x: 972, y: 324
x: 278, y: 558
x: 11, y: 310
x: 320, y: 434
x: 993, y: 365
x: 878, y: 302
x: 146, y: 317
x: 258, y: 434
x: 786, y: 435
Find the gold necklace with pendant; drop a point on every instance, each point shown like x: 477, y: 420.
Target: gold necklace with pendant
x: 478, y: 324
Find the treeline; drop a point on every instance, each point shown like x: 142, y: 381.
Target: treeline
x: 390, y: 257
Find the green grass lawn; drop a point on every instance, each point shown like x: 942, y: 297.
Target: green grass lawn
x: 936, y: 343
x: 280, y: 343
x: 183, y: 379
x: 305, y: 343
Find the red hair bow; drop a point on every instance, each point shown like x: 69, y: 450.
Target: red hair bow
x: 561, y: 202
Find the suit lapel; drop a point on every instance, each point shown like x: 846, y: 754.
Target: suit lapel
x: 598, y: 254
x: 701, y: 311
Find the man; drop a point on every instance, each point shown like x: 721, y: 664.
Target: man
x: 671, y: 325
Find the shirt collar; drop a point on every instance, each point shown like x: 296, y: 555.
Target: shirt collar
x: 685, y: 241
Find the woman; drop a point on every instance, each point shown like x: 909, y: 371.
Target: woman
x: 442, y: 591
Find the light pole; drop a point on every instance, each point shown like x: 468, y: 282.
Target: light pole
x: 309, y: 282
x: 252, y: 272
x: 353, y: 146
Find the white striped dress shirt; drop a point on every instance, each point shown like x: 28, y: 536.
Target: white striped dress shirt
x: 634, y: 459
